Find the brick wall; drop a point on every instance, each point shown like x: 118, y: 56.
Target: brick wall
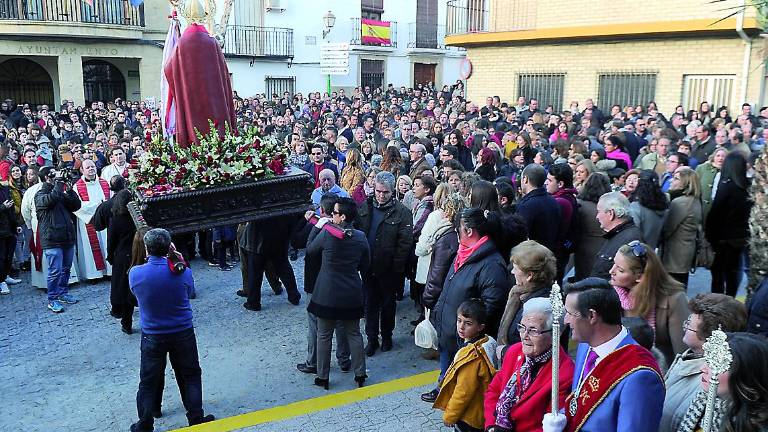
x: 495, y: 68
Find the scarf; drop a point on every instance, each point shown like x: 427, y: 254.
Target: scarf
x: 465, y: 252
x: 628, y: 303
x: 367, y: 189
x: 695, y: 414
x: 517, y: 296
x: 517, y: 385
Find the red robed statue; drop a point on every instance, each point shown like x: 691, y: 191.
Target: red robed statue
x: 198, y: 82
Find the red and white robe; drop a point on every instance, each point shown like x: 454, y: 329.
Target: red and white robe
x: 91, y: 244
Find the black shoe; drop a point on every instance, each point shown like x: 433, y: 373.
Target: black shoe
x: 206, y: 419
x: 386, y: 345
x: 126, y: 330
x: 321, y: 383
x: 294, y: 255
x: 302, y: 367
x: 242, y: 293
x: 157, y: 413
x: 114, y: 314
x: 278, y: 290
x: 294, y: 300
x: 135, y: 428
x: 430, y: 397
x: 345, y: 368
x: 252, y: 307
x: 360, y: 380
x: 371, y: 348
x: 225, y: 268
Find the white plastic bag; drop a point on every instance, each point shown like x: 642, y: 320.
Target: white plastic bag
x: 425, y: 333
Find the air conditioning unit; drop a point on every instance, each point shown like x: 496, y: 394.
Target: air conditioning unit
x: 275, y: 5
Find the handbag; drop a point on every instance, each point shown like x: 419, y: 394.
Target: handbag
x: 425, y: 334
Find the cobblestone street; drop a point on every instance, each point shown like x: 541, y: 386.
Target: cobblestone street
x: 76, y: 371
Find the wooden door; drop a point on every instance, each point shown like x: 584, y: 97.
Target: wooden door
x: 423, y: 73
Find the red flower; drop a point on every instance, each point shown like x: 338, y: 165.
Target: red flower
x: 210, y: 159
x: 200, y: 169
x: 162, y: 180
x: 183, y: 161
x: 277, y: 166
x: 249, y: 159
x: 156, y: 161
x: 183, y: 170
x: 257, y: 144
x: 227, y: 175
x: 195, y: 155
x: 174, y: 158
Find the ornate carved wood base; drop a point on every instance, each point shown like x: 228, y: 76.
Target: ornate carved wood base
x: 226, y: 205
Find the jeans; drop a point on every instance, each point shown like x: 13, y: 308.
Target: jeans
x: 59, y: 265
x: 182, y: 349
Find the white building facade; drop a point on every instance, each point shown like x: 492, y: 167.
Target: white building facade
x: 273, y: 46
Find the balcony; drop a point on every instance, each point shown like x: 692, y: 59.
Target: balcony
x: 251, y: 41
x: 477, y: 16
x: 423, y: 36
x: 357, y: 35
x: 108, y: 12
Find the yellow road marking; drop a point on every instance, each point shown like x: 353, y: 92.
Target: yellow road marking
x: 309, y: 406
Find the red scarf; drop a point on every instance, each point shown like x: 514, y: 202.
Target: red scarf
x: 465, y: 252
x: 93, y: 239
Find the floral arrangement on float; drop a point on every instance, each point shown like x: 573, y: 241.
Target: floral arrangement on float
x: 240, y: 155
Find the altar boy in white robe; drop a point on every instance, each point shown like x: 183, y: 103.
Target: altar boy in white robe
x: 92, y: 261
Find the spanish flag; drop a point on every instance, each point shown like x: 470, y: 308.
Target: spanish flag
x: 375, y: 32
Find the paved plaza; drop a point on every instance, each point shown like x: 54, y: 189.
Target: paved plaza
x: 76, y: 371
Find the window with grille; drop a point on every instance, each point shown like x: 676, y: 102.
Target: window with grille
x: 372, y: 73
x: 371, y: 9
x: 715, y: 89
x: 547, y: 88
x: 279, y: 85
x: 626, y: 88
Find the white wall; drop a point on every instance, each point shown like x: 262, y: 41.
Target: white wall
x: 305, y: 18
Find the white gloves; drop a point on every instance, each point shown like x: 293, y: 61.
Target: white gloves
x: 322, y: 221
x: 553, y: 422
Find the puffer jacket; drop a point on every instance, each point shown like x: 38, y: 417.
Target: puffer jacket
x: 483, y: 275
x: 54, y: 207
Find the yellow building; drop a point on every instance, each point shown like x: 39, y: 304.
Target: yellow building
x: 78, y: 50
x: 617, y: 52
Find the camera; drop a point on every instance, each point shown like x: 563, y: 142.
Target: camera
x: 65, y: 173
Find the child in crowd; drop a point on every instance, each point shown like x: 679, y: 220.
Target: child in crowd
x: 473, y: 367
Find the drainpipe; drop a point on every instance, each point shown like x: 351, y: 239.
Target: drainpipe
x: 747, y: 52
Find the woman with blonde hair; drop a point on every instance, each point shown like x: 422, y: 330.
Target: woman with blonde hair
x: 678, y: 236
x: 352, y: 174
x: 647, y: 291
x: 533, y: 267
x: 582, y: 172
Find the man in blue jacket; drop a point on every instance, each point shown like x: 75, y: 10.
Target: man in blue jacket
x: 617, y: 385
x: 165, y: 316
x: 539, y: 209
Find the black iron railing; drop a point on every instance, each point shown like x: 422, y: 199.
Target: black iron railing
x: 429, y: 36
x: 252, y: 41
x: 115, y: 12
x: 357, y: 34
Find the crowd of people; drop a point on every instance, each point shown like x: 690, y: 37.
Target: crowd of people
x: 476, y: 210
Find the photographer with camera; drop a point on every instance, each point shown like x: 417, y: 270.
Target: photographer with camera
x: 55, y: 202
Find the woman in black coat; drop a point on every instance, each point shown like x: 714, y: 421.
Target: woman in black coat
x: 119, y: 245
x: 478, y: 271
x: 727, y: 226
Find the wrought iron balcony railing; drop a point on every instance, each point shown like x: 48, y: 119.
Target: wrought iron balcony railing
x: 114, y: 12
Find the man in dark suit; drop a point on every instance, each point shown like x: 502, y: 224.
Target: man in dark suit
x: 540, y: 211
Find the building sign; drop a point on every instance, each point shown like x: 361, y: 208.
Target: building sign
x: 91, y: 51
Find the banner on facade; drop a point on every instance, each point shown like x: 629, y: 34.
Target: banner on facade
x: 375, y: 32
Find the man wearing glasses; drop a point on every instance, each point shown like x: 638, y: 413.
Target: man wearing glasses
x: 317, y: 164
x: 617, y: 385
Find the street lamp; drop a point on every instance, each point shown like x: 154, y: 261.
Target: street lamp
x: 329, y: 20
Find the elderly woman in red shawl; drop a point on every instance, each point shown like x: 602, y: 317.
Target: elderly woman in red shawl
x: 520, y: 393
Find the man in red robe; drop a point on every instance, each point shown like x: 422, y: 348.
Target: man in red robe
x: 198, y: 82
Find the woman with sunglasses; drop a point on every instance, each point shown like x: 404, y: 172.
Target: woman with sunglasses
x: 685, y: 400
x: 647, y: 291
